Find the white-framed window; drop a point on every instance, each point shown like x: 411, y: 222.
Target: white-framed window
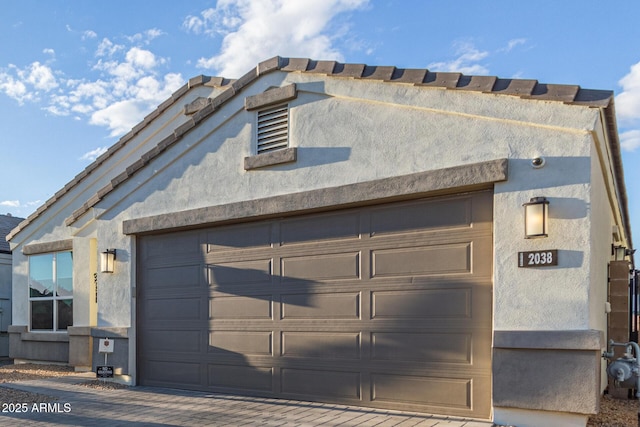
x: 51, y: 291
x: 273, y: 128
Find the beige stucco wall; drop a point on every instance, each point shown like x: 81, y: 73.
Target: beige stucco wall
x: 341, y: 140
x: 360, y: 131
x: 5, y: 293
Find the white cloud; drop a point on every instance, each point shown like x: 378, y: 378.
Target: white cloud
x: 213, y: 21
x: 255, y: 30
x: 13, y: 88
x: 89, y: 34
x: 49, y: 52
x: 630, y: 140
x: 24, y: 84
x: 108, y: 48
x: 153, y: 91
x: 628, y: 101
x: 628, y: 108
x: 145, y: 37
x: 10, y: 203
x: 467, y: 61
x: 144, y: 95
x: 513, y: 43
x: 94, y: 154
x: 126, y: 84
x: 40, y: 76
x: 141, y: 58
x: 18, y: 209
x: 119, y: 116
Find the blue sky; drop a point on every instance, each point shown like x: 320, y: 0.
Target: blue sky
x: 77, y: 75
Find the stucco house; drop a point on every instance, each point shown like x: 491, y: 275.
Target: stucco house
x: 7, y: 223
x: 342, y: 233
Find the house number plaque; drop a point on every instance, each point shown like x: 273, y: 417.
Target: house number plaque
x: 544, y: 258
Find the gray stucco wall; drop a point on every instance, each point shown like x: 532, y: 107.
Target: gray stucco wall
x: 5, y: 302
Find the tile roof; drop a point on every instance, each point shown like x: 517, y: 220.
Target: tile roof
x: 529, y: 89
x: 7, y: 223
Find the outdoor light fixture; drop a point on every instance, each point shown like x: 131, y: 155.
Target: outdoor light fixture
x: 107, y: 260
x: 536, y: 218
x: 620, y: 252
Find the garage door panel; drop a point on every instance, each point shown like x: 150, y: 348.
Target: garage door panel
x: 438, y: 391
x: 421, y: 346
x: 320, y: 306
x: 386, y: 306
x: 421, y: 216
x: 239, y: 237
x: 422, y: 304
x: 422, y: 261
x: 336, y: 345
x: 320, y: 383
x: 482, y: 257
x: 321, y: 267
x: 240, y: 273
x: 173, y: 372
x: 241, y: 307
x: 184, y: 341
x: 254, y: 343
x: 185, y: 276
x: 170, y: 244
x: 481, y: 343
x: 176, y: 309
x: 247, y: 378
x: 320, y: 228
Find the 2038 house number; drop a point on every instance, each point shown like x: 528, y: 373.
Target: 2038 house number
x: 546, y: 258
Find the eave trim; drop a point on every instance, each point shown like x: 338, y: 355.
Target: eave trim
x: 465, y: 177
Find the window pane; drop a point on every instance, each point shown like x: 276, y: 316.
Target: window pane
x: 64, y: 270
x: 41, y: 275
x: 65, y: 313
x: 42, y: 315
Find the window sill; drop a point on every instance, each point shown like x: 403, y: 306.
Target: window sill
x: 45, y: 336
x: 278, y: 157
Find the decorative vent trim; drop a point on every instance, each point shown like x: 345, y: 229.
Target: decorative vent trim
x: 273, y: 129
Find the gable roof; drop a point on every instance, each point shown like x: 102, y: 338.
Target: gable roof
x: 527, y: 89
x: 7, y: 223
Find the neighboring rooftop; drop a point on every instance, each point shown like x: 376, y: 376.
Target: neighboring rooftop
x: 7, y: 223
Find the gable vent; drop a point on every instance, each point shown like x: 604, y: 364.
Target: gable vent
x: 273, y: 129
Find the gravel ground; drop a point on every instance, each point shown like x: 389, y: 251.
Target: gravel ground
x: 613, y: 412
x: 616, y: 413
x: 25, y: 372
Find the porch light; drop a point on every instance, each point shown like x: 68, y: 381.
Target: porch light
x: 620, y: 252
x: 536, y: 218
x: 107, y: 260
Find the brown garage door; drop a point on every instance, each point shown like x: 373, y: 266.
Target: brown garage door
x: 386, y: 306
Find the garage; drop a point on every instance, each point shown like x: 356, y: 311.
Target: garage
x: 386, y: 305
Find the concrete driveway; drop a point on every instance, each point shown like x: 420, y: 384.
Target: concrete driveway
x: 150, y: 406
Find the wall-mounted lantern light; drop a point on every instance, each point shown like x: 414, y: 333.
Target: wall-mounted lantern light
x: 107, y: 260
x: 620, y: 252
x: 536, y: 218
